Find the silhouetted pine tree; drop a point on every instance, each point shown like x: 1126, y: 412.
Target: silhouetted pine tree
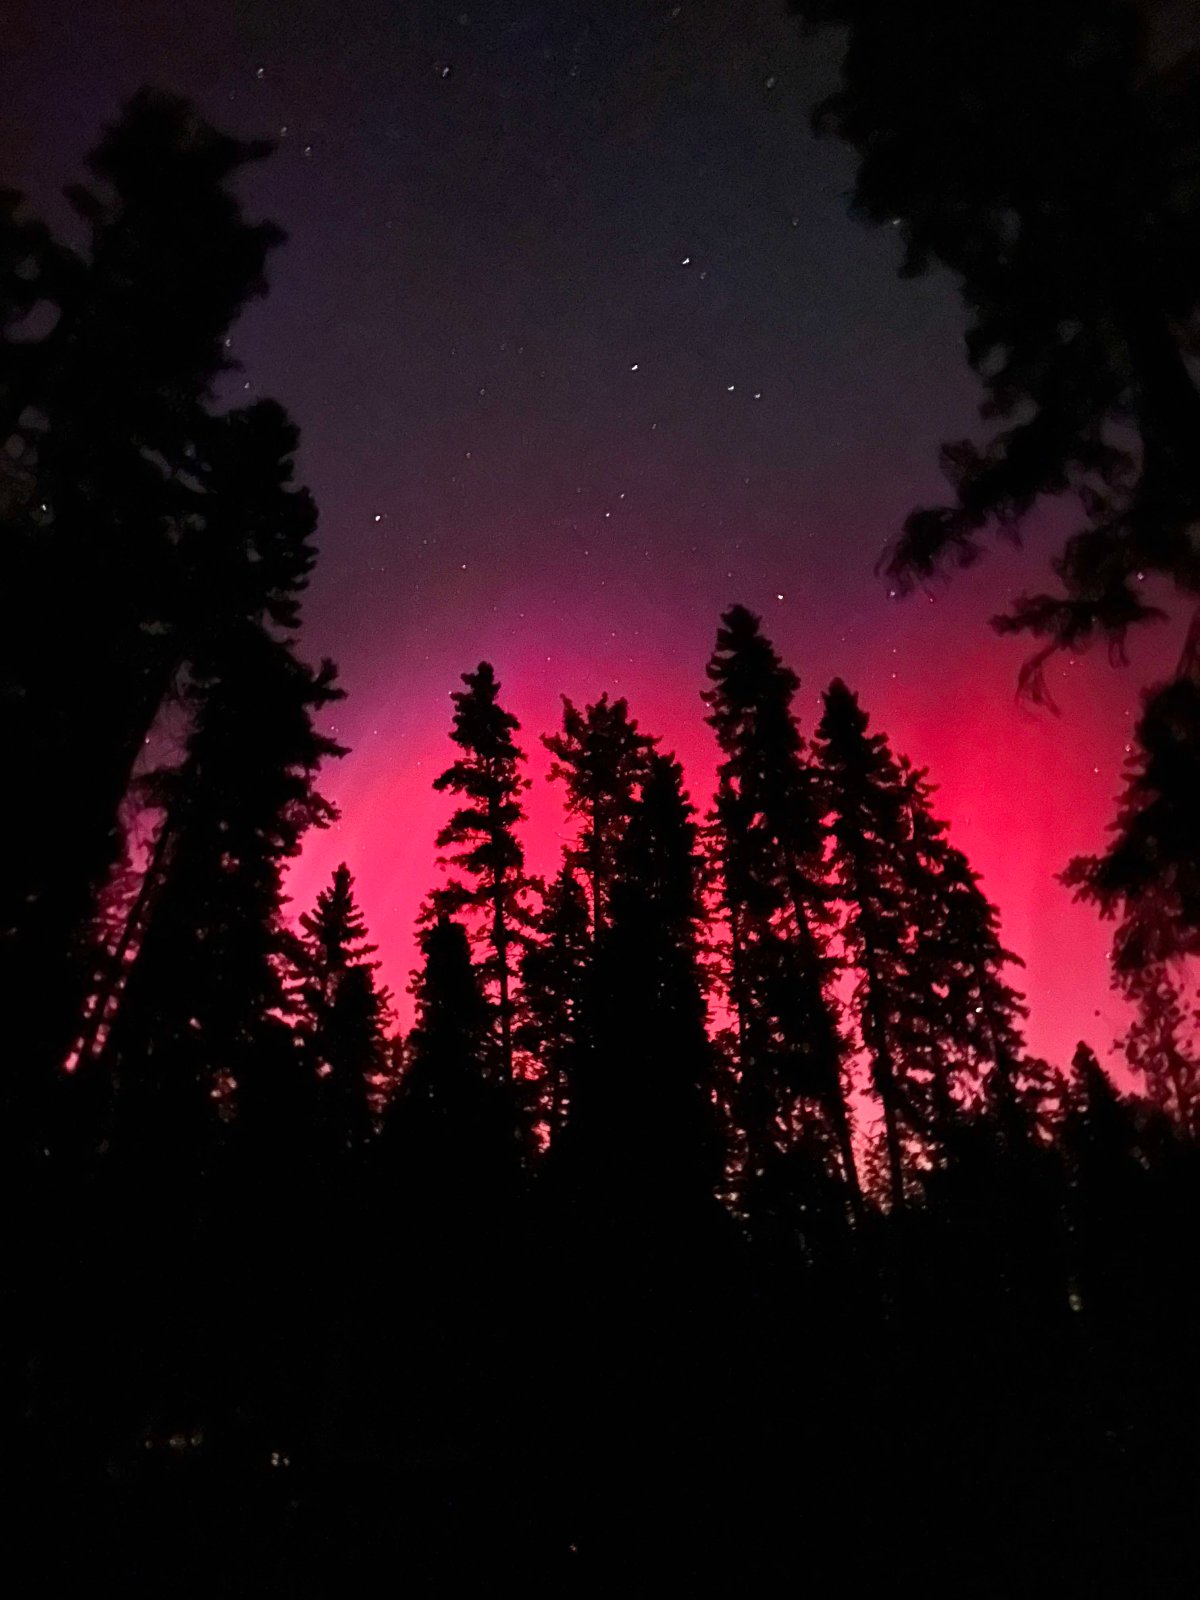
x: 1148, y: 879
x: 1056, y: 184
x: 643, y: 1110
x: 869, y: 804
x: 770, y: 844
x: 208, y: 1184
x: 481, y: 836
x: 556, y: 987
x: 106, y: 417
x: 1162, y: 1044
x: 202, y: 1012
x: 971, y: 1034
x: 452, y: 1127
x: 1108, y: 1189
x: 937, y: 1015
x: 601, y: 757
x: 345, y: 1014
x: 247, y: 563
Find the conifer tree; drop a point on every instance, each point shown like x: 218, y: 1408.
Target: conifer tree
x: 452, y: 1127
x: 1148, y: 879
x: 973, y: 1025
x: 648, y: 1090
x: 1162, y: 1044
x: 869, y: 804
x: 345, y: 1012
x: 105, y: 420
x: 937, y: 1015
x: 770, y: 844
x: 216, y: 1123
x: 1108, y: 1186
x: 201, y: 1014
x: 481, y: 837
x: 556, y: 985
x: 1056, y: 184
x: 1148, y: 882
x: 1097, y: 1115
x: 601, y: 757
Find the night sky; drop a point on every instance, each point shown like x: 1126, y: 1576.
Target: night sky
x: 584, y: 347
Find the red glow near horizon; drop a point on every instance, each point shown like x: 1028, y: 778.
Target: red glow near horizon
x: 1022, y: 790
x: 579, y: 362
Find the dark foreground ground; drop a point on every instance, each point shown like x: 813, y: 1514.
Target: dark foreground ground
x: 609, y: 1420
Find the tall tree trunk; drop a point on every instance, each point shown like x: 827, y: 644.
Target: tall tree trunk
x: 885, y: 1082
x: 836, y: 1107
x: 500, y: 945
x: 110, y: 991
x: 840, y: 1119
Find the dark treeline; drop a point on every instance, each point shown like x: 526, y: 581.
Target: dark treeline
x: 712, y: 1222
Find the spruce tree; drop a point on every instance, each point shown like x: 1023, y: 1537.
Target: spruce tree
x: 481, y: 837
x: 770, y: 844
x: 938, y: 1018
x: 1148, y: 879
x: 1162, y: 1044
x: 601, y: 757
x: 1108, y: 1190
x: 1148, y: 882
x: 556, y: 991
x: 869, y: 804
x: 1056, y: 185
x: 451, y: 1133
x: 648, y: 1090
x: 105, y: 422
x: 200, y: 1017
x: 209, y: 1189
x: 344, y: 1011
x: 971, y: 1035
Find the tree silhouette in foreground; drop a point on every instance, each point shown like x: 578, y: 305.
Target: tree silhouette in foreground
x: 971, y: 1037
x: 1148, y: 882
x: 202, y: 1011
x: 867, y: 797
x: 770, y: 844
x: 482, y: 838
x: 254, y: 1356
x: 452, y: 1126
x: 345, y: 1012
x: 601, y: 758
x: 651, y: 1086
x: 1053, y: 181
x: 558, y: 993
x: 1148, y: 878
x: 1045, y: 156
x: 105, y: 434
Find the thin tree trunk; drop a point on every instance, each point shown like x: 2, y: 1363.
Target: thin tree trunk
x: 839, y: 1116
x: 500, y: 944
x: 892, y: 1135
x: 839, y: 1113
x: 885, y: 1082
x: 134, y: 923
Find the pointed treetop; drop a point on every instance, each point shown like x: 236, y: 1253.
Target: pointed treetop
x: 749, y: 679
x: 336, y: 926
x: 481, y: 724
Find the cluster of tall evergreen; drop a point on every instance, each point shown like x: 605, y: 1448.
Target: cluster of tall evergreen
x: 696, y: 1150
x: 1046, y: 157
